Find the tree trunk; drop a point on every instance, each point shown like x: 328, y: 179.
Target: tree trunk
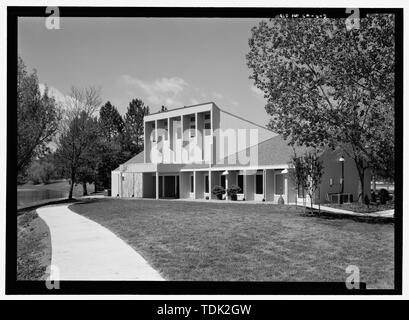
x: 361, y: 196
x: 71, y: 189
x: 84, y: 189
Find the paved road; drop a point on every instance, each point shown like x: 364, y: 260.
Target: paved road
x: 84, y: 250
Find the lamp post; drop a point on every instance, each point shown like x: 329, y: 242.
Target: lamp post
x: 342, y: 160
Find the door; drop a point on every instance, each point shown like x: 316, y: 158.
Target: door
x: 170, y: 187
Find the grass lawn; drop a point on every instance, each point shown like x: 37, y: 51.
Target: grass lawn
x: 247, y: 242
x: 33, y: 246
x: 58, y: 185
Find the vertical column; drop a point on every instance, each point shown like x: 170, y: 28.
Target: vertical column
x: 227, y: 185
x: 156, y: 131
x: 286, y: 193
x: 145, y: 142
x: 264, y: 185
x: 157, y: 185
x: 210, y: 184
x: 194, y: 184
x: 170, y: 143
x: 196, y: 140
x: 120, y: 185
x: 182, y: 129
x: 274, y: 184
x: 245, y: 184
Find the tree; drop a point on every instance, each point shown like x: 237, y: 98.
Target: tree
x: 328, y: 86
x: 78, y: 133
x: 110, y: 121
x: 307, y: 172
x: 37, y: 118
x: 134, y: 126
x: 110, y: 148
x: 42, y: 170
x: 298, y: 175
x: 163, y: 109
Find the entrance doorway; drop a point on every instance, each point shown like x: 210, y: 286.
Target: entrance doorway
x: 169, y: 187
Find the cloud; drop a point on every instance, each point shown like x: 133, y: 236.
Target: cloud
x: 163, y: 91
x: 257, y: 91
x: 172, y: 92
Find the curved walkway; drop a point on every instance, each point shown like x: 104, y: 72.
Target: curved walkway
x: 84, y: 250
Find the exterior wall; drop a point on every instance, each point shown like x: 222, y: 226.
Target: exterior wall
x: 332, y: 170
x: 115, y: 176
x: 148, y: 185
x: 199, y: 184
x: 214, y: 181
x: 250, y: 187
x: 185, y: 185
x: 231, y: 179
x: 269, y: 183
x: 291, y: 190
x: 185, y: 150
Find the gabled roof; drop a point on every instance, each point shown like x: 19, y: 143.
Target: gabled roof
x: 273, y: 151
x: 139, y: 158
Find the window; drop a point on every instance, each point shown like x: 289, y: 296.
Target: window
x: 240, y: 182
x: 259, y: 184
x: 192, y: 186
x: 279, y: 184
x: 177, y: 129
x: 207, y: 125
x: 153, y: 133
x: 206, y: 184
x: 223, y: 181
x: 192, y: 127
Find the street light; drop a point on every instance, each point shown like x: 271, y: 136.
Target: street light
x: 342, y: 160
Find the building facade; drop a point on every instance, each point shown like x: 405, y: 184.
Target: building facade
x: 190, y: 150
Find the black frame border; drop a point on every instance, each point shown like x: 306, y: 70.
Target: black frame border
x: 186, y: 287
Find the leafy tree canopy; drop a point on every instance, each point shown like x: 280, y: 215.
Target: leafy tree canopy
x: 37, y: 118
x: 326, y: 85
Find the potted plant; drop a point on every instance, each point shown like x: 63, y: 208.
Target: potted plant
x: 218, y: 191
x: 232, y: 192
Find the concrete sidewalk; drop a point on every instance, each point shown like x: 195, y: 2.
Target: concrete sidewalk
x: 84, y: 250
x: 378, y: 214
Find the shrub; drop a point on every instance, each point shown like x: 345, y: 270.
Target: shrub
x: 280, y: 200
x: 384, y: 196
x: 41, y: 172
x: 218, y: 191
x: 232, y: 191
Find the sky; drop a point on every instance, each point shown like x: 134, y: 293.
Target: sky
x: 163, y: 61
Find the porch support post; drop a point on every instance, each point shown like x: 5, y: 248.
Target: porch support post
x: 227, y: 185
x: 194, y: 184
x: 264, y: 185
x: 245, y: 184
x: 157, y: 185
x: 210, y: 184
